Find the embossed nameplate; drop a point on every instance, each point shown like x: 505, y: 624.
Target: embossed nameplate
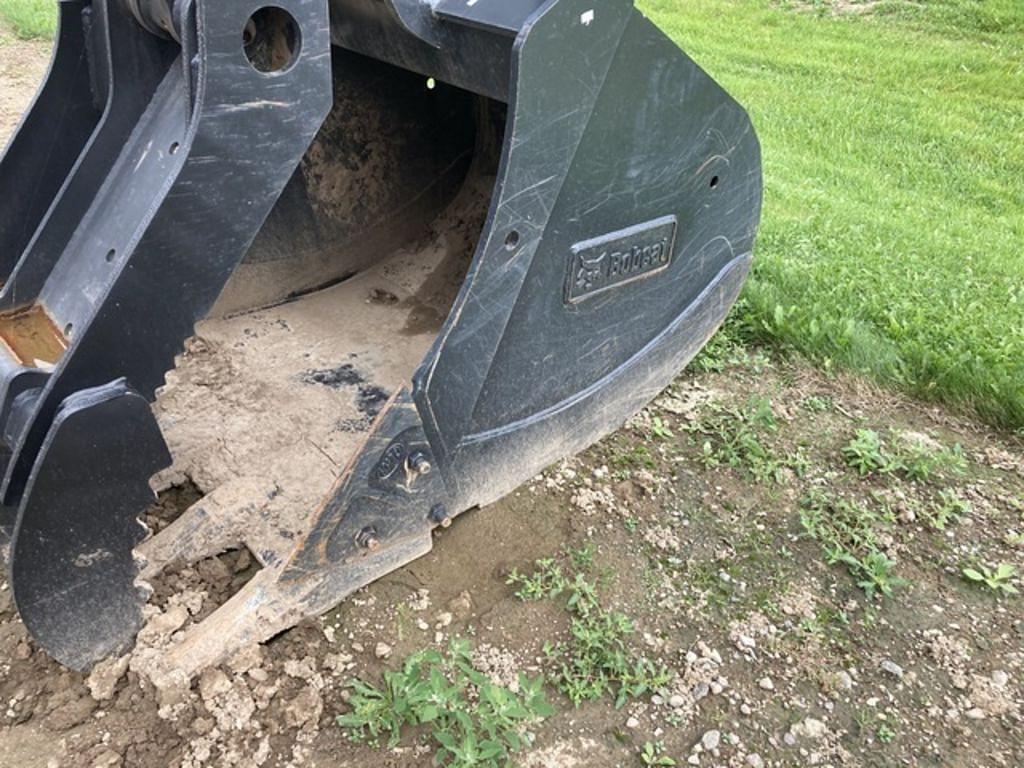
x: 620, y: 258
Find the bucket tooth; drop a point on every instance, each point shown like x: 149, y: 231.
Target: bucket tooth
x: 423, y: 249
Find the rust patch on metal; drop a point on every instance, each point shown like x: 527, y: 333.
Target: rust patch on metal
x: 32, y: 337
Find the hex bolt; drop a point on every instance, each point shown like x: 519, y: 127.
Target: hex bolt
x: 439, y: 515
x: 420, y: 463
x: 367, y: 539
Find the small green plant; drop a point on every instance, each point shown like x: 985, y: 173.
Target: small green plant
x: 921, y: 462
x: 886, y: 733
x: 876, y: 572
x: 947, y: 510
x: 471, y: 720
x: 819, y: 403
x: 597, y: 659
x: 653, y: 753
x: 848, y: 534
x: 660, y: 429
x: 866, y: 454
x: 999, y: 579
x: 736, y: 437
x: 910, y: 458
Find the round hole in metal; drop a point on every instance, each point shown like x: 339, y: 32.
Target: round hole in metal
x: 271, y: 39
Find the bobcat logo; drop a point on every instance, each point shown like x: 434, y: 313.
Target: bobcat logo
x: 606, y: 263
x: 589, y: 271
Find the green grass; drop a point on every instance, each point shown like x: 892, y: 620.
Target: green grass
x: 30, y: 19
x: 894, y: 206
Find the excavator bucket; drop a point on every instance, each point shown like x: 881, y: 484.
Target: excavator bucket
x: 351, y: 268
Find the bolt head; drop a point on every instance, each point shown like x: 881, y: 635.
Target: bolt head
x: 420, y: 464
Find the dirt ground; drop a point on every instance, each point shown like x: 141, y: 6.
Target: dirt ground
x: 694, y: 514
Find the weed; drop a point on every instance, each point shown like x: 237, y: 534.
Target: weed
x: 999, y: 579
x: 660, y: 430
x: 912, y: 459
x: 653, y: 753
x: 947, y: 510
x: 865, y: 454
x: 921, y: 462
x: 885, y: 733
x: 819, y: 403
x: 735, y: 437
x: 848, y: 534
x: 472, y: 721
x: 597, y: 659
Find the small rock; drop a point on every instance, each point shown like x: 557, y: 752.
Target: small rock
x: 213, y: 683
x: 163, y: 625
x: 105, y: 676
x: 745, y: 709
x: 975, y: 713
x: 444, y: 620
x: 1000, y: 679
x: 461, y: 606
x: 23, y: 652
x: 754, y: 760
x: 382, y: 651
x: 844, y: 681
x: 676, y: 701
x: 632, y: 723
x: 765, y: 683
x: 891, y: 667
x: 711, y: 740
x: 810, y: 728
x: 789, y: 738
x: 693, y: 760
x: 107, y: 759
x: 746, y: 642
x: 700, y: 691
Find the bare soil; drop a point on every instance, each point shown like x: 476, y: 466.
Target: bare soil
x: 781, y: 659
x: 22, y: 65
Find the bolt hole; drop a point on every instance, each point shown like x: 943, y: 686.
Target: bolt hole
x: 174, y: 148
x: 68, y: 330
x: 271, y: 40
x: 714, y: 182
x: 512, y: 241
x: 111, y: 255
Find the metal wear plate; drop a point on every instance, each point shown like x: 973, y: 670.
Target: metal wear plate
x: 620, y: 258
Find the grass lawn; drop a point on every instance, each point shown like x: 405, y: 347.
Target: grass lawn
x: 893, y: 134
x: 893, y: 234
x: 30, y: 18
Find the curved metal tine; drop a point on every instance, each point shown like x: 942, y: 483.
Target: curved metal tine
x: 49, y: 138
x: 129, y: 64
